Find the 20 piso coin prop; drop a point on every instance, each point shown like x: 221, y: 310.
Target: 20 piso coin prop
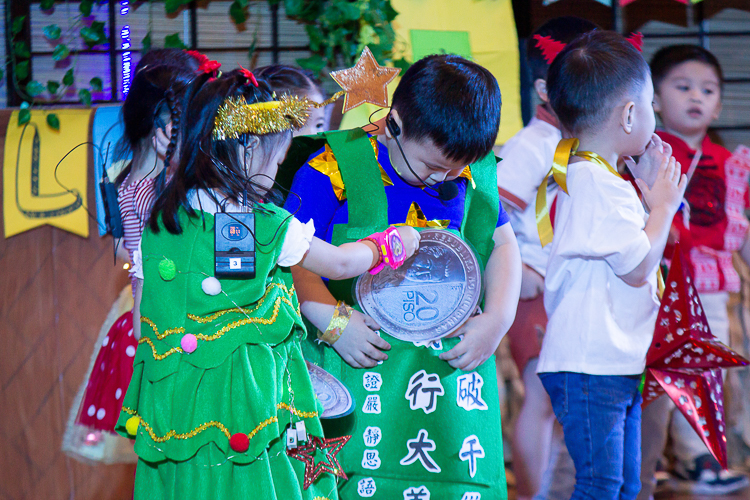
x: 431, y: 295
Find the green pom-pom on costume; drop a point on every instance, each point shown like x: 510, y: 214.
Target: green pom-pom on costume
x: 167, y: 269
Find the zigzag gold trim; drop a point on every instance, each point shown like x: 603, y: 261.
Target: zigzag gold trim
x: 221, y: 332
x: 166, y: 333
x: 214, y: 423
x: 214, y: 316
x: 157, y: 356
x: 261, y: 425
x: 174, y: 434
x: 296, y: 412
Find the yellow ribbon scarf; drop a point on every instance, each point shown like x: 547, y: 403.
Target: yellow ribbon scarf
x: 559, y: 171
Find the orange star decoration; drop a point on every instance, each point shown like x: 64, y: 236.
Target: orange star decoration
x: 366, y: 81
x: 328, y: 447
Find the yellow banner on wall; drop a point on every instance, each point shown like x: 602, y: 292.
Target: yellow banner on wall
x: 492, y: 38
x: 36, y: 191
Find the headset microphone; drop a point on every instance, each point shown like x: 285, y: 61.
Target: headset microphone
x: 446, y: 191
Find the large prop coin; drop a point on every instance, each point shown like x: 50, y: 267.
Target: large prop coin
x: 336, y: 399
x: 431, y: 295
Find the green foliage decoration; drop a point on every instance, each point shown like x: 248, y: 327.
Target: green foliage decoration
x: 338, y: 29
x: 91, y: 32
x: 53, y: 121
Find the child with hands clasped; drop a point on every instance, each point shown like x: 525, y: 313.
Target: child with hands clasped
x: 541, y: 464
x: 219, y: 373
x: 601, y: 283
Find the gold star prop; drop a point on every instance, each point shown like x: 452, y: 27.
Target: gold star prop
x: 365, y: 82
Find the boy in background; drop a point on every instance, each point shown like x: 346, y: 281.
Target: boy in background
x: 541, y: 464
x: 600, y: 291
x: 688, y: 84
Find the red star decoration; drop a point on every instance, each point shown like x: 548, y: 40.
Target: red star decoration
x: 684, y: 360
x: 306, y: 453
x: 365, y: 82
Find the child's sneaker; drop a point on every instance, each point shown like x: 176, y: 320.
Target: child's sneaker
x: 706, y: 477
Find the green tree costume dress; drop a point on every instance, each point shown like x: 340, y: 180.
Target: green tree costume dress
x: 246, y: 376
x: 420, y: 428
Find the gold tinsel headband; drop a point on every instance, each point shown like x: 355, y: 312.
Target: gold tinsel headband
x: 236, y: 117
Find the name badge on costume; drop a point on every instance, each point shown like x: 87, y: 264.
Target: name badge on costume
x: 234, y: 245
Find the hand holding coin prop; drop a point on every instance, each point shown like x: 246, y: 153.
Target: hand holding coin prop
x: 360, y: 346
x: 479, y: 342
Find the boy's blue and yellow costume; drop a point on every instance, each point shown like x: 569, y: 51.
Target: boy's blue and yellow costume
x: 451, y: 444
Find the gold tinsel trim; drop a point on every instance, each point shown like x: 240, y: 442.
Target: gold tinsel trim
x: 173, y: 433
x: 166, y: 333
x: 215, y: 423
x: 296, y: 412
x: 157, y: 356
x: 236, y: 117
x: 261, y: 425
x: 221, y: 332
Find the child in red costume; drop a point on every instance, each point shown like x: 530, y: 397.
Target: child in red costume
x: 710, y: 226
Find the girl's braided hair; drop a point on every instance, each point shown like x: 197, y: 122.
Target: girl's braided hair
x: 161, y: 85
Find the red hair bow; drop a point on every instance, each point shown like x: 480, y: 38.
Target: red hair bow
x: 637, y: 40
x: 207, y: 65
x: 249, y: 75
x: 551, y: 48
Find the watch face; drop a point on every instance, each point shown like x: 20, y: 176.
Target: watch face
x: 397, y: 247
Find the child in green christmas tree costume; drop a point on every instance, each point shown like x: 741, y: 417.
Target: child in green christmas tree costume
x: 427, y: 419
x: 219, y: 373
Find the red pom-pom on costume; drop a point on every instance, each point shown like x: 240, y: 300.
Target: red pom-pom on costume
x: 239, y: 442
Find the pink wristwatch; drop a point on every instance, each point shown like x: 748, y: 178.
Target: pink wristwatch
x: 391, y: 248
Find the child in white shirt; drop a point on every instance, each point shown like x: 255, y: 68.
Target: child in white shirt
x: 601, y: 286
x: 541, y: 463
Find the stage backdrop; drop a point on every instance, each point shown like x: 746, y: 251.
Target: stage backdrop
x: 483, y: 30
x: 43, y: 185
x: 55, y: 291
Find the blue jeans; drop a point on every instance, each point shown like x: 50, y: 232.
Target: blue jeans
x: 601, y: 420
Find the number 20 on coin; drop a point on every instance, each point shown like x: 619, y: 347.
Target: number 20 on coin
x: 416, y: 305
